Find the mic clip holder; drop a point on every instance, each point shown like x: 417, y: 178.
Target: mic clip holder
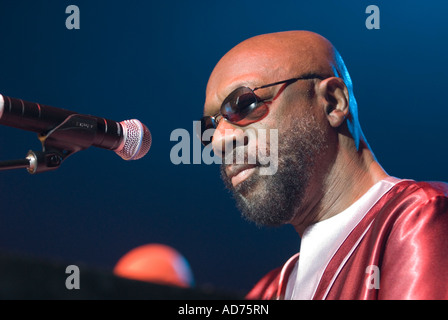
x: 75, y: 133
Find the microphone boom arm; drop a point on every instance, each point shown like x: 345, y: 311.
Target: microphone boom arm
x: 75, y: 133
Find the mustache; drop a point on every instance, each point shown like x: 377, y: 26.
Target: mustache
x: 238, y: 159
x: 244, y: 155
x: 226, y: 168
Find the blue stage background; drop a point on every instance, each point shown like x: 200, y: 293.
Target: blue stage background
x: 151, y: 60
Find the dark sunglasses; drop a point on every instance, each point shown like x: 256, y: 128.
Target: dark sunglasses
x: 243, y: 107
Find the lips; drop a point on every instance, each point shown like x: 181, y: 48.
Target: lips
x: 239, y: 173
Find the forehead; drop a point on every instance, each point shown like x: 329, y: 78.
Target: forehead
x: 250, y: 71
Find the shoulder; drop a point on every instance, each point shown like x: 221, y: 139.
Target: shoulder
x: 410, y: 202
x: 426, y: 190
x: 407, y: 196
x: 424, y: 202
x: 415, y: 253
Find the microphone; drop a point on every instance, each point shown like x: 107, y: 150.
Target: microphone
x: 130, y: 139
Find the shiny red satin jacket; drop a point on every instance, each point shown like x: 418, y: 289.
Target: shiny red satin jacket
x: 404, y: 237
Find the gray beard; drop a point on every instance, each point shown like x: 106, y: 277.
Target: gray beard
x: 273, y: 200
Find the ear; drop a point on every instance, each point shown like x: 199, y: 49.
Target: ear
x: 335, y: 94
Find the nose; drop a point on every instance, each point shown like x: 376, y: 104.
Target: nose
x: 227, y: 137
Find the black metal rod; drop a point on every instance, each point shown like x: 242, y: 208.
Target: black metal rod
x: 14, y: 164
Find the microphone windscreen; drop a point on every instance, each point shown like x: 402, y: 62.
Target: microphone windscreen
x: 136, y: 140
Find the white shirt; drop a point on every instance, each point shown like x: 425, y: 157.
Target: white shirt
x: 321, y: 240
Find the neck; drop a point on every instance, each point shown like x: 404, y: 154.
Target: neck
x: 352, y: 174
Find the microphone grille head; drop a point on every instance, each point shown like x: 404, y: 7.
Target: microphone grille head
x: 136, y: 140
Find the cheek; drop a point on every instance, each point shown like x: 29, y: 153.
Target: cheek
x: 285, y: 116
x: 267, y: 129
x: 294, y: 108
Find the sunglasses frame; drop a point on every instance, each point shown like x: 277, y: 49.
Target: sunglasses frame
x: 215, y: 121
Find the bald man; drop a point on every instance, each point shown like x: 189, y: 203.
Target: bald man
x: 364, y: 234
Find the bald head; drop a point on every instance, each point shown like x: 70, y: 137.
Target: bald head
x: 283, y: 55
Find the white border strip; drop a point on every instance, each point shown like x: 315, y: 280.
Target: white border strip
x: 2, y: 105
x: 345, y: 260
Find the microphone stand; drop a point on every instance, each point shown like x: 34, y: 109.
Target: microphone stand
x: 35, y: 162
x: 14, y: 164
x: 75, y: 133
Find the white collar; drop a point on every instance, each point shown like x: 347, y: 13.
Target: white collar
x: 321, y: 240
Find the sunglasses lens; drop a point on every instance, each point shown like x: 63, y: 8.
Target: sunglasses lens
x: 239, y: 104
x: 204, y: 135
x: 240, y: 107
